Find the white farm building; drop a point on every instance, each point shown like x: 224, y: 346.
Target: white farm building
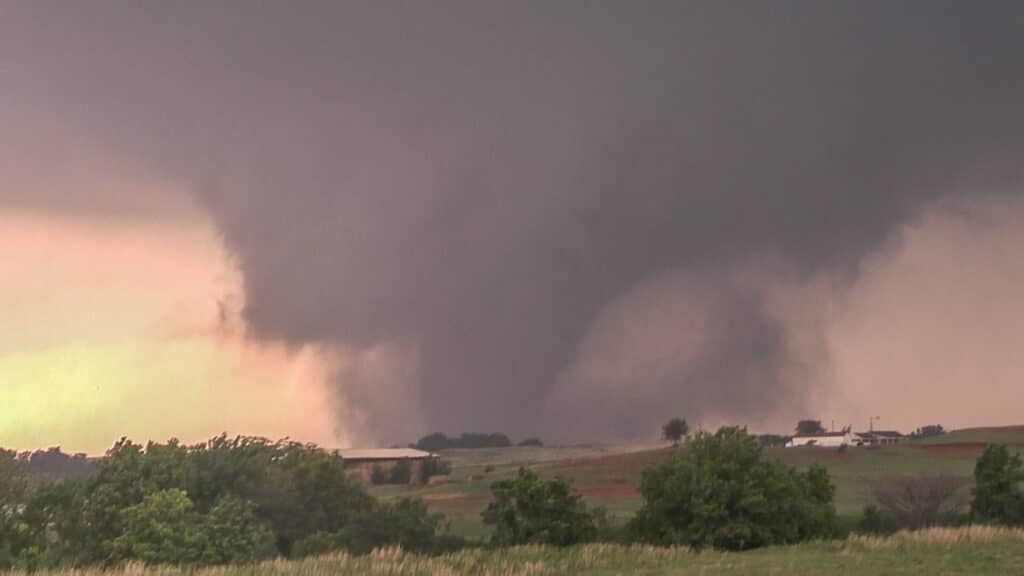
x: 824, y: 439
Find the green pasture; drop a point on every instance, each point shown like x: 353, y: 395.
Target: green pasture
x: 609, y: 475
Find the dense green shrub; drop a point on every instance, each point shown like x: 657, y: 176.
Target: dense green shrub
x: 165, y: 529
x: 406, y: 523
x: 13, y: 489
x: 533, y: 510
x: 233, y: 535
x: 724, y: 493
x: 379, y: 475
x: 54, y: 526
x: 530, y: 442
x: 997, y: 494
x: 435, y: 467
x: 162, y: 529
x: 401, y: 472
x: 874, y: 520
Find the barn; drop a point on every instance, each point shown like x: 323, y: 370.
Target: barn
x: 360, y: 462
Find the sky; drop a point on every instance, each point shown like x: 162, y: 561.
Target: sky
x: 357, y: 223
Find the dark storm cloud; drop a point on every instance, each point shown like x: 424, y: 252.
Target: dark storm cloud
x: 477, y: 181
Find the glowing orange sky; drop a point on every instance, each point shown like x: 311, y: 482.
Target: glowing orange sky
x: 115, y: 327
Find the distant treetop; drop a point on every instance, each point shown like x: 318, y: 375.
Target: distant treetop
x: 440, y: 441
x: 808, y: 427
x: 929, y: 430
x: 674, y: 430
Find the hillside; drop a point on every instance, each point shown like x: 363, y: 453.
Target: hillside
x: 609, y: 476
x: 1012, y: 435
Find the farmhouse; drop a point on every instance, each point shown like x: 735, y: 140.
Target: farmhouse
x: 826, y: 439
x: 879, y: 438
x: 360, y: 463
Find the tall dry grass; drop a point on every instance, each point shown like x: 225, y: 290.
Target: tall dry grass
x: 941, y: 537
x: 612, y: 558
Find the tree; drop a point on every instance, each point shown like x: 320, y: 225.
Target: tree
x: 997, y: 495
x: 809, y: 427
x: 296, y: 489
x: 533, y: 510
x: 773, y: 440
x: 929, y: 430
x: 127, y: 475
x: 14, y: 489
x: 434, y: 467
x: 406, y: 523
x: 723, y: 493
x: 54, y: 520
x: 674, y: 430
x: 920, y: 501
x: 231, y: 534
x: 162, y: 529
x: 52, y: 464
x: 474, y: 440
x: 308, y: 492
x: 241, y: 466
x: 438, y: 441
x: 433, y: 442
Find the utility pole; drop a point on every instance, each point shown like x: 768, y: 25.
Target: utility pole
x: 871, y: 423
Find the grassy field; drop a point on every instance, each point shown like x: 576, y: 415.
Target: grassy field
x: 610, y: 475
x: 1013, y: 435
x: 974, y: 550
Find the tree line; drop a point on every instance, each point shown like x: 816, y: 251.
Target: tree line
x: 438, y: 441
x: 51, y: 463
x: 225, y: 501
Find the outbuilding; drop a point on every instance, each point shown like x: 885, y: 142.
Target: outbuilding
x: 361, y: 462
x: 824, y: 439
x: 879, y: 438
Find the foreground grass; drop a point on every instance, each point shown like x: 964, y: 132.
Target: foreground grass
x: 972, y: 550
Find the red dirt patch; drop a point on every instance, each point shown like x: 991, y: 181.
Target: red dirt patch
x: 631, y: 462
x: 443, y: 496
